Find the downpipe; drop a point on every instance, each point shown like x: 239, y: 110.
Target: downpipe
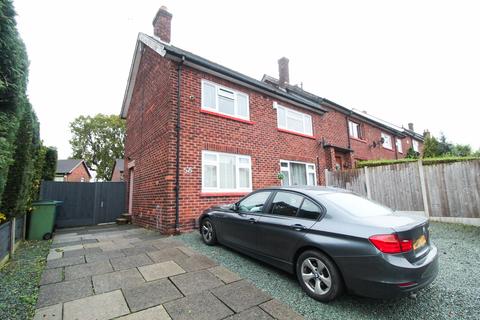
x: 177, y: 161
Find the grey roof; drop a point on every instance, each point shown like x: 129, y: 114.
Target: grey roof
x: 67, y: 165
x: 119, y: 164
x: 188, y: 57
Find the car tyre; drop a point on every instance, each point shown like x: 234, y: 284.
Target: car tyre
x: 319, y: 276
x: 209, y: 236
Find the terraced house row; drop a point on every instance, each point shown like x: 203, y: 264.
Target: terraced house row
x: 200, y: 134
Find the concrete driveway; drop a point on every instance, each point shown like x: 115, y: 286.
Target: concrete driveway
x: 126, y: 272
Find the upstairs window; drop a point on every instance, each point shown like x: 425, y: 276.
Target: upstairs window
x: 298, y: 173
x: 224, y: 172
x: 387, y: 141
x: 223, y: 100
x: 415, y: 145
x: 291, y: 120
x: 399, y: 145
x: 355, y: 130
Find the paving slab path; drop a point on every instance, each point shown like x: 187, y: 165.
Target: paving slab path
x: 127, y: 272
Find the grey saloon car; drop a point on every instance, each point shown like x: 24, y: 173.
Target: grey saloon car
x: 332, y: 239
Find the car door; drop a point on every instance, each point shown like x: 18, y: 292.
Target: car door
x: 289, y: 218
x: 239, y: 228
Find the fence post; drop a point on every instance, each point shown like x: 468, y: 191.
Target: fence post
x: 424, y: 189
x: 367, y: 183
x: 326, y: 178
x: 12, y: 236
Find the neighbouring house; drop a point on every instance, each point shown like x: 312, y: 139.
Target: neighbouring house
x: 200, y: 134
x: 117, y: 172
x: 72, y: 170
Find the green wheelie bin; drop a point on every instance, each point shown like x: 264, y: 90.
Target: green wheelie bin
x: 42, y: 220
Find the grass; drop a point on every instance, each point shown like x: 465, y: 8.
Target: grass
x: 455, y: 294
x: 19, y: 280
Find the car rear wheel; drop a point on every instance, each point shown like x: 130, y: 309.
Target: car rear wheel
x: 208, y: 232
x: 319, y: 276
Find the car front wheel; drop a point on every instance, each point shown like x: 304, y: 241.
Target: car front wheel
x: 208, y: 232
x: 319, y: 276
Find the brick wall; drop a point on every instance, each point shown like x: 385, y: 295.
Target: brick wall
x: 77, y: 174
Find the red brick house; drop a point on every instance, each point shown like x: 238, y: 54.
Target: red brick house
x: 117, y: 172
x: 72, y: 170
x: 200, y: 134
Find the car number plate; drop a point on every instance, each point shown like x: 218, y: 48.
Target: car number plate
x: 420, y: 242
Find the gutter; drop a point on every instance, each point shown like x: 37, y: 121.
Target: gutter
x: 177, y: 160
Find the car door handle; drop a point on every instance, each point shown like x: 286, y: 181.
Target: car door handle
x: 298, y: 227
x: 252, y: 220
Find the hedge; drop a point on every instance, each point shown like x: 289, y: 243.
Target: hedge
x: 425, y: 161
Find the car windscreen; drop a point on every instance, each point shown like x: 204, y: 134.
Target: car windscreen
x: 356, y: 205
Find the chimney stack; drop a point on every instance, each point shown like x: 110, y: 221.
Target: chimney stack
x: 162, y: 24
x: 283, y: 74
x: 410, y: 126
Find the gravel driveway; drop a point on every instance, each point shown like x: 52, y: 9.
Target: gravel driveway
x: 455, y: 294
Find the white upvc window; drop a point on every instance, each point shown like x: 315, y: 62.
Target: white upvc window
x: 220, y: 99
x: 415, y: 145
x: 387, y: 141
x: 291, y: 120
x: 225, y: 172
x: 354, y: 129
x: 298, y: 173
x: 399, y: 145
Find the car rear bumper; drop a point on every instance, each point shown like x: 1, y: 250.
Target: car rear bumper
x: 385, y: 277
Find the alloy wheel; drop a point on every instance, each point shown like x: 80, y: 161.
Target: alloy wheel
x: 316, y: 276
x: 207, y: 231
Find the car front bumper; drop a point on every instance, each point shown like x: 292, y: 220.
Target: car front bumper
x: 388, y: 276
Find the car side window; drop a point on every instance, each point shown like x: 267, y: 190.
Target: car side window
x: 309, y: 210
x: 286, y: 204
x: 255, y: 202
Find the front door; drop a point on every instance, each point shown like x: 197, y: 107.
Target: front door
x: 239, y: 227
x: 338, y: 163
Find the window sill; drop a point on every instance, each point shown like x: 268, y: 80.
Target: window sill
x: 359, y: 140
x: 224, y: 194
x: 221, y: 115
x: 389, y: 149
x: 296, y: 133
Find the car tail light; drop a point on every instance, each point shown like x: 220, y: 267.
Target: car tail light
x: 389, y: 243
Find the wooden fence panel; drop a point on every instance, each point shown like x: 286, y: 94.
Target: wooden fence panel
x: 353, y: 180
x: 397, y: 186
x: 453, y: 189
x: 5, y: 240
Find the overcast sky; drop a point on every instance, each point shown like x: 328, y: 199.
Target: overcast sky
x: 403, y: 61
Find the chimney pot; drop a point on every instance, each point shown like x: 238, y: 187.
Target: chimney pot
x: 283, y: 73
x: 410, y: 126
x: 162, y: 24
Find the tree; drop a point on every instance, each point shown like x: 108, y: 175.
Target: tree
x: 461, y: 150
x: 444, y: 147
x: 412, y: 154
x: 431, y: 147
x: 50, y: 164
x: 13, y: 83
x: 16, y: 196
x: 99, y: 140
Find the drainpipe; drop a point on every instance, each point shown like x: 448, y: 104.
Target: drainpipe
x: 177, y: 130
x: 348, y: 130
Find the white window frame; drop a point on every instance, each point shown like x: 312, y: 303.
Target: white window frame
x: 306, y: 119
x: 354, y: 133
x: 384, y: 136
x: 216, y: 163
x: 235, y: 100
x: 399, y: 145
x: 415, y: 145
x: 307, y: 170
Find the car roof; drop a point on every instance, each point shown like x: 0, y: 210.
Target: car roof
x: 309, y: 190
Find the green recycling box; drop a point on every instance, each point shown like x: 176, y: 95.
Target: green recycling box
x: 42, y: 220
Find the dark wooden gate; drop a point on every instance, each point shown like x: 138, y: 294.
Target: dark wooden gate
x: 85, y: 203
